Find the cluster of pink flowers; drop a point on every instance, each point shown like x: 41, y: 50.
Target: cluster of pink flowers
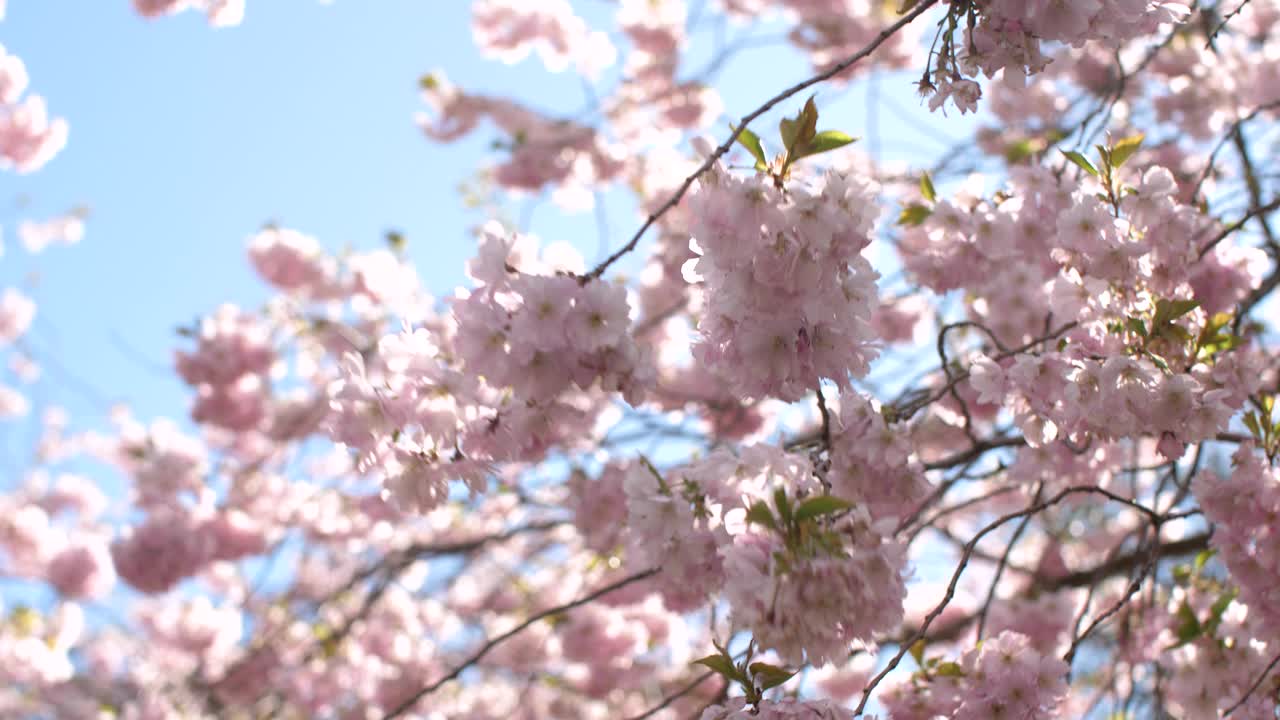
x: 16, y: 313
x: 1008, y: 35
x: 221, y: 13
x: 872, y: 462
x: 67, y: 229
x: 543, y: 151
x: 166, y: 466
x: 505, y: 384
x: 510, y: 29
x: 35, y: 647
x: 230, y: 369
x: 54, y: 532
x: 806, y: 586
x: 1004, y: 677
x: 810, y: 603
x: 1211, y: 672
x: 1057, y: 395
x: 679, y: 526
x: 1243, y: 507
x: 1110, y: 270
x: 788, y: 295
x: 654, y: 106
x: 537, y: 334
x: 29, y: 138
x: 175, y: 544
x: 293, y: 263
x: 1207, y: 89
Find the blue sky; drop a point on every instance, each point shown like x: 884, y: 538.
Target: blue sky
x: 185, y: 139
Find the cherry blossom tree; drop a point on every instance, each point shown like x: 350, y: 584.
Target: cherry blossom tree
x: 819, y: 437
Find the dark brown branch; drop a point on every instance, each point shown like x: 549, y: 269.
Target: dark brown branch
x: 826, y: 418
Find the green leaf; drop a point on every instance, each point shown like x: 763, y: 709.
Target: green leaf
x: 768, y: 676
x: 1202, y: 557
x: 949, y: 669
x: 821, y: 505
x: 1137, y: 326
x: 1217, y: 609
x: 917, y: 651
x: 1181, y: 573
x: 1188, y: 625
x: 1017, y: 151
x: 760, y: 514
x: 788, y: 129
x: 1219, y: 343
x: 662, y: 483
x: 751, y: 142
x: 904, y: 6
x: 914, y: 215
x: 1125, y: 149
x: 926, y: 188
x: 1105, y: 154
x: 1169, y: 310
x: 396, y: 241
x: 1251, y: 422
x: 783, y: 504
x: 826, y: 141
x: 1081, y: 161
x: 722, y: 665
x: 797, y: 133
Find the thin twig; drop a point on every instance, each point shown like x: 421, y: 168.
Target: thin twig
x: 826, y: 418
x: 489, y: 645
x: 1252, y: 688
x: 1233, y: 227
x: 969, y: 548
x: 673, y: 697
x: 1214, y: 35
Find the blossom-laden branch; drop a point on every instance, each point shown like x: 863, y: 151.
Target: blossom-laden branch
x: 497, y: 640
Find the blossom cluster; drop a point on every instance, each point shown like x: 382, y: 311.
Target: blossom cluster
x: 1009, y: 35
x: 788, y: 295
x: 1243, y: 505
x: 29, y: 138
x: 508, y: 30
x: 806, y: 582
x: 1138, y: 362
x: 221, y: 13
x: 1005, y: 677
x: 504, y: 384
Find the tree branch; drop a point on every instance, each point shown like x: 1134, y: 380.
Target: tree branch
x: 489, y: 645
